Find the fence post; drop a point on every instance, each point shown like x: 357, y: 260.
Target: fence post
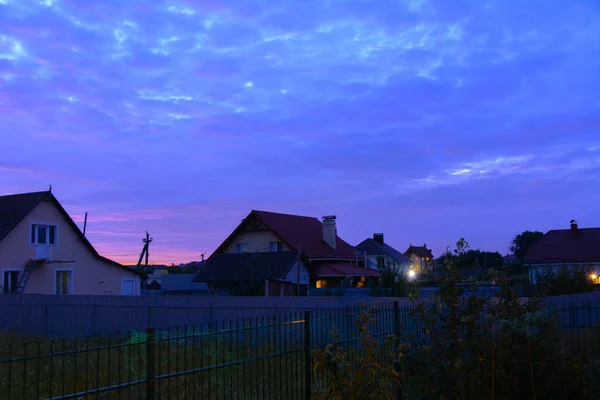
x: 150, y: 373
x: 397, y: 362
x: 307, y: 357
x: 93, y: 319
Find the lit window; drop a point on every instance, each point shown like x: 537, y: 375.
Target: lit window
x: 43, y: 234
x: 321, y: 284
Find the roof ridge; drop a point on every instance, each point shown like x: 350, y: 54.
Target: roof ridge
x: 25, y: 194
x: 287, y: 214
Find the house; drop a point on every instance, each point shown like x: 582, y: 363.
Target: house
x: 323, y: 260
x: 510, y: 259
x: 421, y: 258
x: 378, y: 253
x: 281, y: 273
x: 565, y: 248
x: 42, y: 251
x: 182, y: 284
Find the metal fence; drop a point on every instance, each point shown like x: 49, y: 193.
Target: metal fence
x: 82, y: 316
x: 259, y: 358
x: 266, y: 357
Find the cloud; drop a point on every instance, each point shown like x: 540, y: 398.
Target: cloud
x: 315, y: 107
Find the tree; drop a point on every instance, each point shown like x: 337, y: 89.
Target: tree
x: 523, y: 242
x: 392, y: 280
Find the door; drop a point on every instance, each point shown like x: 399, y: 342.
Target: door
x: 128, y: 287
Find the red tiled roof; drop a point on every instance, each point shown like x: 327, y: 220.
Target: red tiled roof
x: 304, y: 234
x: 328, y: 270
x: 300, y: 234
x: 566, y: 246
x: 420, y: 251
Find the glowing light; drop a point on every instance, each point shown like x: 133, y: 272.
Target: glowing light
x: 412, y: 274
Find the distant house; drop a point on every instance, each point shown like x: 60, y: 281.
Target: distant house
x: 378, y: 253
x: 182, y: 284
x: 420, y: 257
x: 324, y: 259
x: 42, y: 251
x: 565, y: 248
x: 510, y: 259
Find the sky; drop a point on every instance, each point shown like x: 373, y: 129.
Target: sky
x: 427, y: 120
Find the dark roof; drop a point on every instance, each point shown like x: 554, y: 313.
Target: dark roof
x: 14, y: 208
x: 565, y: 246
x: 336, y: 270
x: 181, y: 283
x: 420, y: 251
x: 244, y: 267
x: 373, y: 248
x: 299, y: 233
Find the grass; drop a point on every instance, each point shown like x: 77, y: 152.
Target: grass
x: 186, y: 366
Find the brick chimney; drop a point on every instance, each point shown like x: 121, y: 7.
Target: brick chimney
x: 330, y: 230
x: 378, y: 237
x: 574, y: 227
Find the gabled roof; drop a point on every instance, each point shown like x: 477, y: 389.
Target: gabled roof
x: 299, y: 233
x: 337, y: 270
x: 566, y: 246
x: 419, y: 251
x: 15, y: 208
x: 373, y: 248
x: 244, y: 267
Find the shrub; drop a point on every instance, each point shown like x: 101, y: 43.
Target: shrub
x: 359, y: 371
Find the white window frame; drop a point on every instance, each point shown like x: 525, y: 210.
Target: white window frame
x: 4, y: 270
x: 135, y: 286
x: 71, y: 281
x: 46, y: 224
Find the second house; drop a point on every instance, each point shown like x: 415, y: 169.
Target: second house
x: 283, y: 254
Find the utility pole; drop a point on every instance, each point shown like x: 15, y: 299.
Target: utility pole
x: 144, y: 254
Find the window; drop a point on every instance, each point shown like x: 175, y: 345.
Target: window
x: 10, y: 281
x: 275, y: 246
x: 321, y: 284
x: 43, y: 234
x: 64, y: 282
x: 241, y: 247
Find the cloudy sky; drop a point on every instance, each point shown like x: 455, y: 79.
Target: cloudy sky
x: 428, y: 120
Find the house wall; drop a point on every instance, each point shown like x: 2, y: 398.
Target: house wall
x: 90, y: 275
x: 256, y: 242
x: 420, y: 264
x: 536, y: 269
x: 292, y: 275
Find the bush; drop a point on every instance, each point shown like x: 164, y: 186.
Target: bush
x: 470, y: 347
x: 356, y: 372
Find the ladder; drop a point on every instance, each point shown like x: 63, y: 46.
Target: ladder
x: 25, y: 276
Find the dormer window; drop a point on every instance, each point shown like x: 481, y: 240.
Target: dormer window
x: 274, y: 247
x: 43, y: 234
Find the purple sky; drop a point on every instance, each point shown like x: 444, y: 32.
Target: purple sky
x: 428, y: 121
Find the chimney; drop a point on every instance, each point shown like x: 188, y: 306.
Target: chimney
x: 329, y: 230
x: 574, y: 226
x: 378, y: 237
